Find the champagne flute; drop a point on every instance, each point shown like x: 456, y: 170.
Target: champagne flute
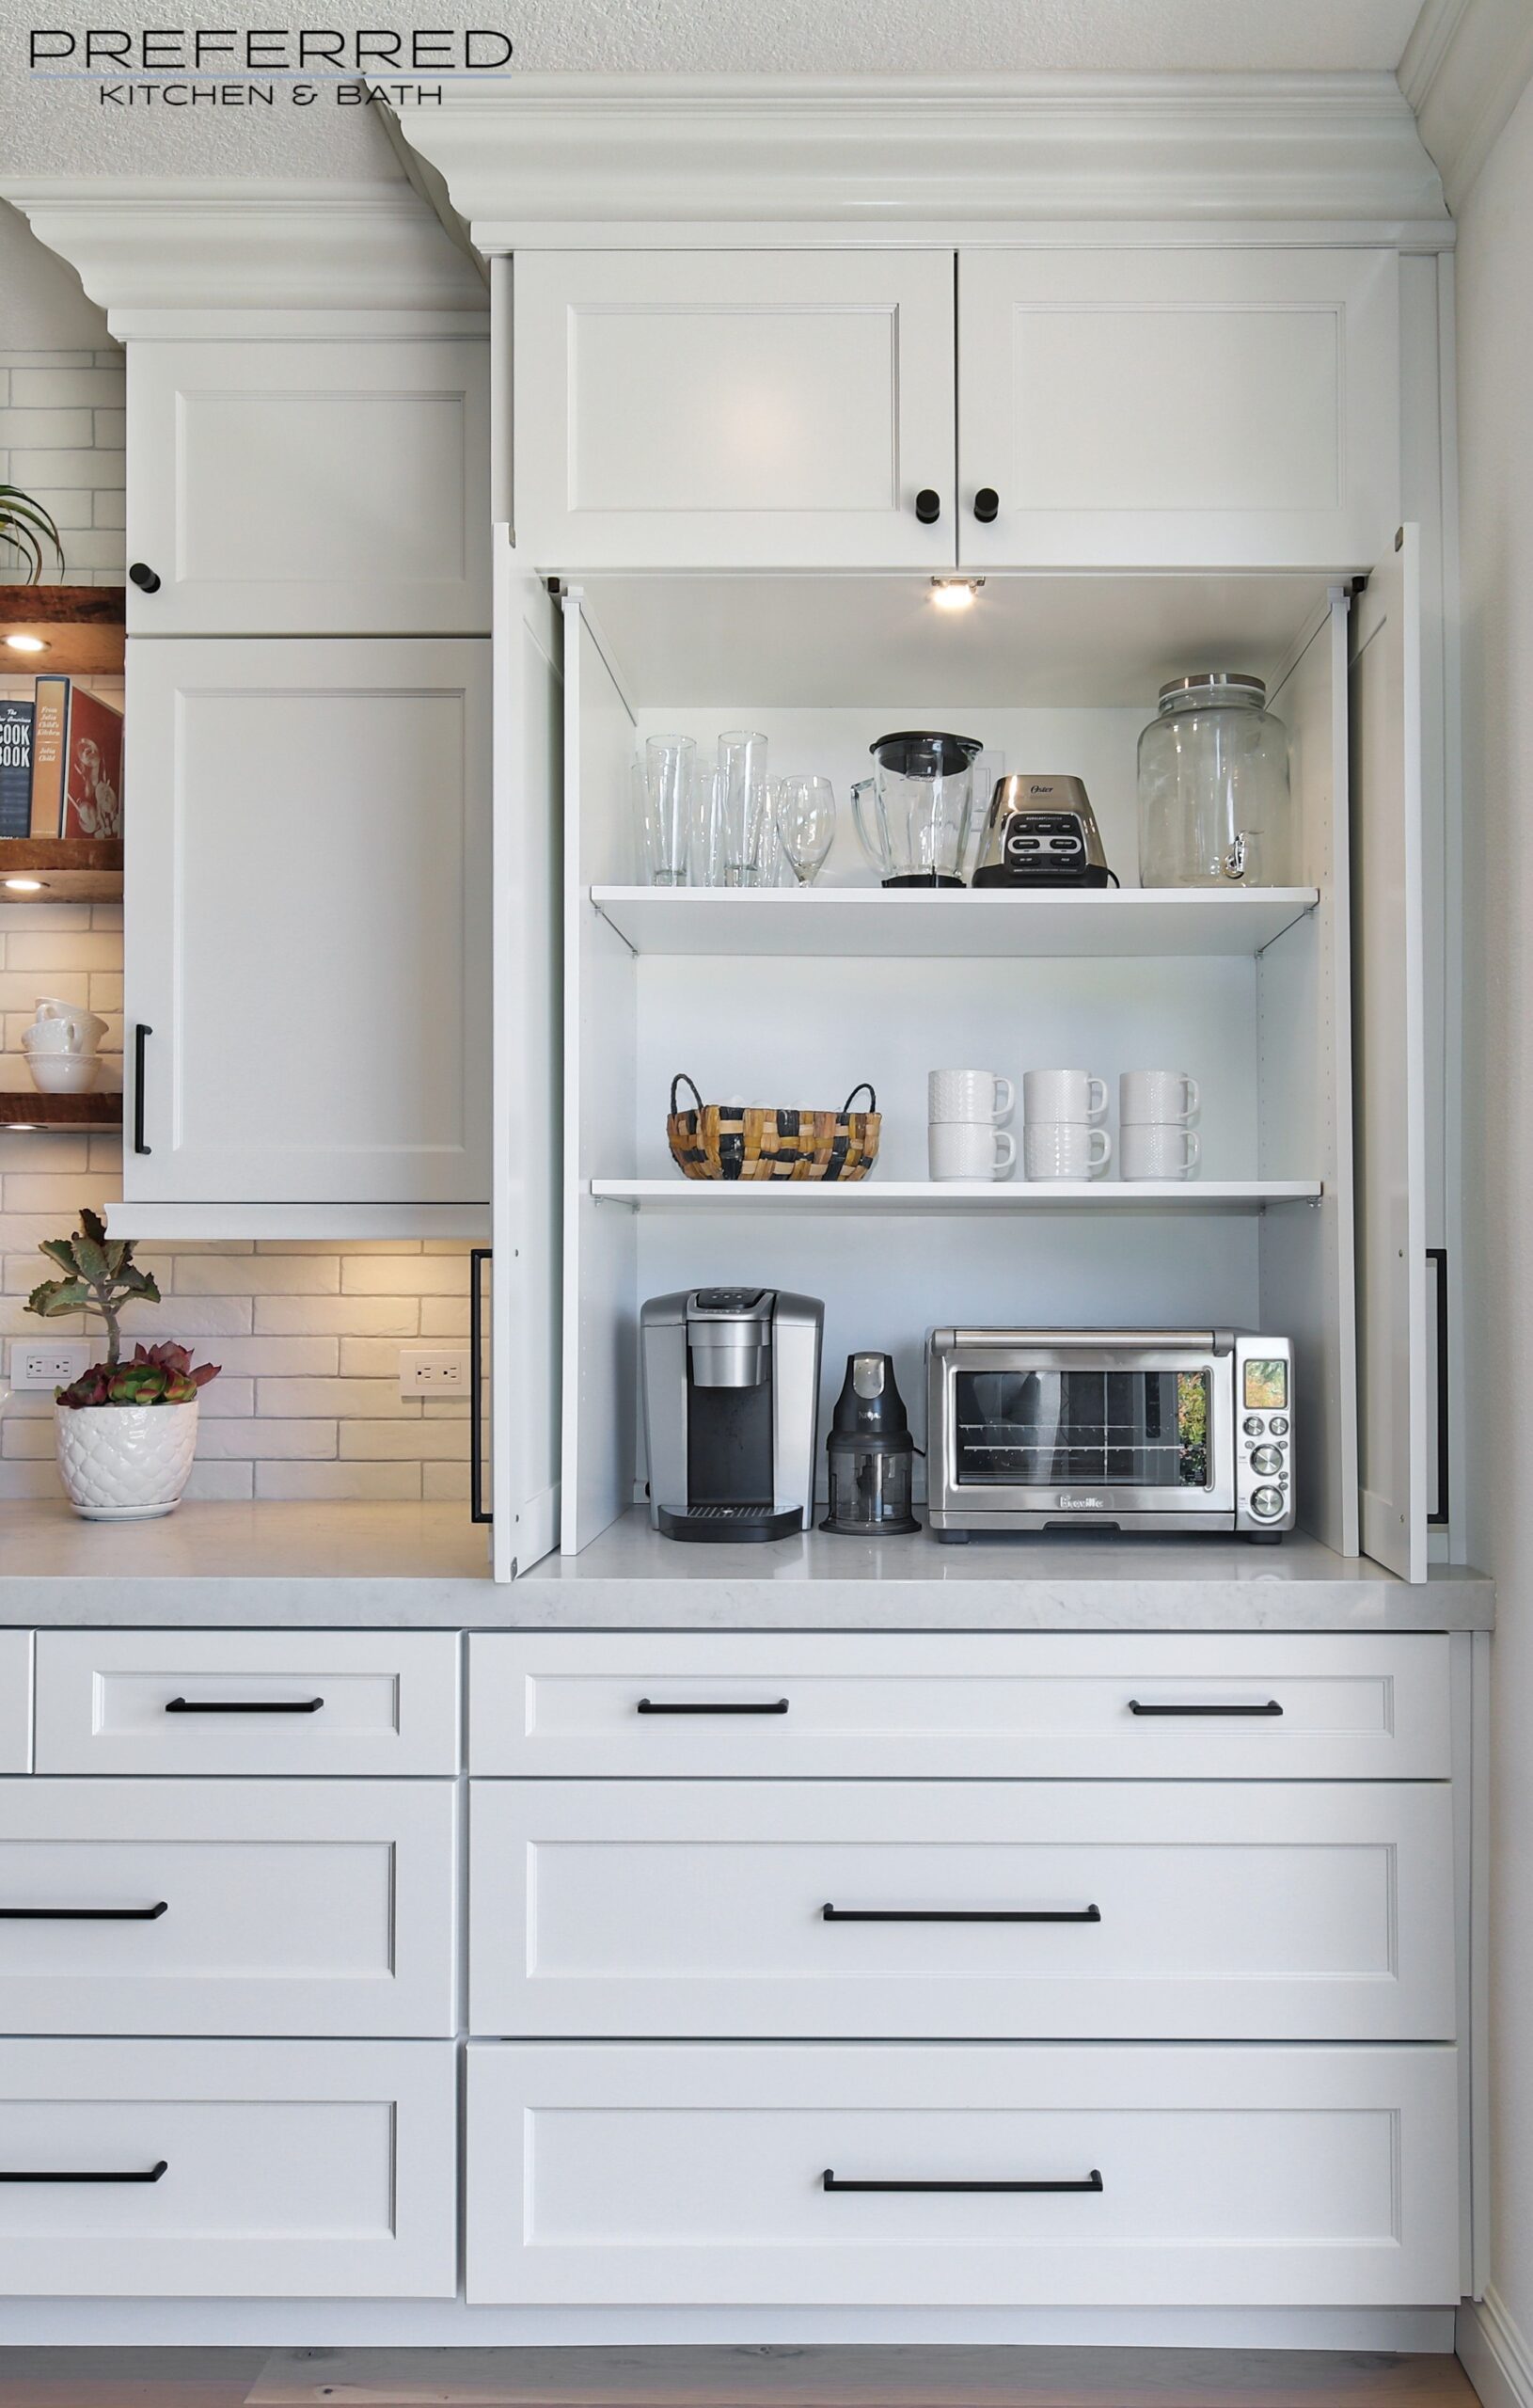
x: 806, y: 824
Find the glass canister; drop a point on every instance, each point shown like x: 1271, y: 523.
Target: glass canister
x: 1213, y: 786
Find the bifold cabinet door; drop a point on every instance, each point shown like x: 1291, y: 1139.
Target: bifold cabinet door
x: 1389, y: 1050
x: 310, y: 488
x: 228, y: 2169
x: 733, y: 409
x: 1177, y: 408
x: 307, y: 911
x: 963, y: 2176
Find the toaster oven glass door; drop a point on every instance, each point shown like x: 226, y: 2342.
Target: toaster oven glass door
x: 1029, y: 1429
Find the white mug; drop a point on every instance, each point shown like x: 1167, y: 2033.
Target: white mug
x: 63, y: 1028
x: 1156, y: 1095
x: 1065, y: 1150
x: 968, y: 1095
x: 1063, y: 1094
x: 969, y: 1149
x: 1158, y: 1150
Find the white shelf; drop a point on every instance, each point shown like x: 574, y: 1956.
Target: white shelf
x: 863, y: 923
x: 954, y: 1195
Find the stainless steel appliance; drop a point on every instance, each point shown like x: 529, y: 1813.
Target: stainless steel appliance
x: 1041, y: 832
x: 731, y: 1391
x: 1109, y: 1430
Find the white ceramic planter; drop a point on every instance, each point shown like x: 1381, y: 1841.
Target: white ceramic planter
x: 125, y: 1463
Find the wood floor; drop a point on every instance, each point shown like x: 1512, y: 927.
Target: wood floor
x: 809, y: 2377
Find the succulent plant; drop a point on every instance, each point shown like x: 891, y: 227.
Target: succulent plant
x: 101, y: 1276
x: 25, y: 526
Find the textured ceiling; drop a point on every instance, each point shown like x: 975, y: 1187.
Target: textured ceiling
x: 60, y: 128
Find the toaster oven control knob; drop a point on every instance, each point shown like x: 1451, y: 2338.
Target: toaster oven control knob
x: 1280, y: 1426
x: 1267, y: 1460
x: 986, y: 505
x: 1267, y: 1503
x: 1254, y: 1425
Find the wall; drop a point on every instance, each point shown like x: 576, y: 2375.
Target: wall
x: 308, y: 1335
x: 1495, y: 376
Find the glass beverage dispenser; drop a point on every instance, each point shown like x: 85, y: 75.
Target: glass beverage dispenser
x: 1213, y: 786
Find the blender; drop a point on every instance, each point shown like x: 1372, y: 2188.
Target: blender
x: 915, y: 827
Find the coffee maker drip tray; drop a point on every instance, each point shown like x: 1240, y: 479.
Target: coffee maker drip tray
x: 731, y: 1524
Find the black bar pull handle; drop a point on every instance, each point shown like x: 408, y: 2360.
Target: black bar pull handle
x: 84, y: 1914
x: 960, y: 1914
x: 929, y: 505
x: 703, y: 1705
x: 1271, y: 1708
x: 478, y: 1509
x: 150, y: 2174
x: 141, y: 1035
x: 244, y: 1705
x: 833, y: 2182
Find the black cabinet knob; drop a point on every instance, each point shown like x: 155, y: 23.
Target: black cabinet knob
x: 986, y: 504
x: 929, y: 506
x: 144, y: 578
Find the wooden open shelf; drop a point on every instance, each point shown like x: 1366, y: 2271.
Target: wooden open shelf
x: 69, y: 870
x: 26, y: 1108
x: 81, y: 625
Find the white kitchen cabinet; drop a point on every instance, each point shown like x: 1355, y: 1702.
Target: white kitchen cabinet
x: 733, y: 409
x: 308, y: 920
x: 236, y: 2169
x: 1191, y: 2177
x: 309, y: 488
x: 224, y: 1906
x: 1167, y: 408
x: 979, y: 1910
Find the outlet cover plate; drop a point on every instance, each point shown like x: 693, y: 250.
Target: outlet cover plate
x: 433, y: 1371
x: 47, y: 1362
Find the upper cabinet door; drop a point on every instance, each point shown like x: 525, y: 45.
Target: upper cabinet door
x: 310, y: 488
x: 735, y: 410
x: 1177, y: 409
x: 1389, y: 1060
x: 307, y: 918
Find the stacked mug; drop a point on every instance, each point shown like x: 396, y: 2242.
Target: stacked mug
x: 1154, y: 1139
x: 61, y: 1047
x: 963, y: 1140
x: 1062, y: 1132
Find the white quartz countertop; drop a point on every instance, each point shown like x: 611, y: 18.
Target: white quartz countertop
x: 427, y: 1567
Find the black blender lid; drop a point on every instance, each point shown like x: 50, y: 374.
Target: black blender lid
x: 909, y: 753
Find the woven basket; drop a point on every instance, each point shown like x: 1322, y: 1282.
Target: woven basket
x: 747, y: 1141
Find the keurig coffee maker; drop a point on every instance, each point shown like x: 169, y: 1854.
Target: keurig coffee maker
x: 732, y: 1387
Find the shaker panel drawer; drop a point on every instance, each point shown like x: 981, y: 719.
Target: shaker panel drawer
x: 15, y: 1700
x: 228, y: 2169
x: 964, y: 1705
x: 248, y: 1702
x: 985, y: 1910
x: 228, y: 1907
x: 967, y: 2177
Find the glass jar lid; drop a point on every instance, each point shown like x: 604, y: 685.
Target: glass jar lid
x: 1213, y: 687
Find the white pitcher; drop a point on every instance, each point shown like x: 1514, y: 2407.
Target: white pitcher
x: 63, y: 1028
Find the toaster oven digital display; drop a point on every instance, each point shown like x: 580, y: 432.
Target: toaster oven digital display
x: 1266, y: 1383
x: 1031, y: 1429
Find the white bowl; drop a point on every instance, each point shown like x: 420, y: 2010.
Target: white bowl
x: 63, y: 1074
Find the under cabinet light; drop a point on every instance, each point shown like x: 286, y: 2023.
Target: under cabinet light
x: 25, y: 886
x: 956, y: 592
x: 26, y: 643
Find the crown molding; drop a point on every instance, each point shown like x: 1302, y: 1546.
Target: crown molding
x: 550, y: 151
x: 1465, y: 69
x: 157, y: 251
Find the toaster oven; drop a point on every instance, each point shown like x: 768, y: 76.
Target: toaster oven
x: 1109, y: 1430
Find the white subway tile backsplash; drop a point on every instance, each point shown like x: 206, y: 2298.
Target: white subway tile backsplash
x: 301, y: 1397
x: 445, y: 1483
x: 444, y: 1317
x: 66, y: 387
x: 48, y: 1192
x: 55, y: 428
x: 383, y: 1483
x: 400, y: 1441
x: 51, y: 950
x: 351, y: 1316
x: 277, y: 1357
x: 72, y: 468
x: 223, y: 1482
x: 370, y: 1358
x: 265, y: 1441
x: 394, y: 1274
x: 258, y: 1275
x: 31, y: 1480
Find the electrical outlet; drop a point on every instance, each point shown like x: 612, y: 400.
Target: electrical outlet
x: 439, y: 1371
x: 52, y: 1364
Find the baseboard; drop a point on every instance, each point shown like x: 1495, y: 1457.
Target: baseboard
x: 1494, y: 2354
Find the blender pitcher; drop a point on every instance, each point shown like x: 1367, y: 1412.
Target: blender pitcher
x: 913, y: 816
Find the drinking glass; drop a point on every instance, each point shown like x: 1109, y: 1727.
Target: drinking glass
x: 663, y: 808
x: 806, y: 824
x: 742, y: 812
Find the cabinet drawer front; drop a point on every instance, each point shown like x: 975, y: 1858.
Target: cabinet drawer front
x: 1251, y: 1912
x: 291, y: 2169
x: 257, y: 473
x: 227, y: 1907
x: 1243, y: 2176
x: 733, y: 409
x: 244, y: 1701
x: 1180, y: 408
x: 15, y: 1700
x: 965, y: 1706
